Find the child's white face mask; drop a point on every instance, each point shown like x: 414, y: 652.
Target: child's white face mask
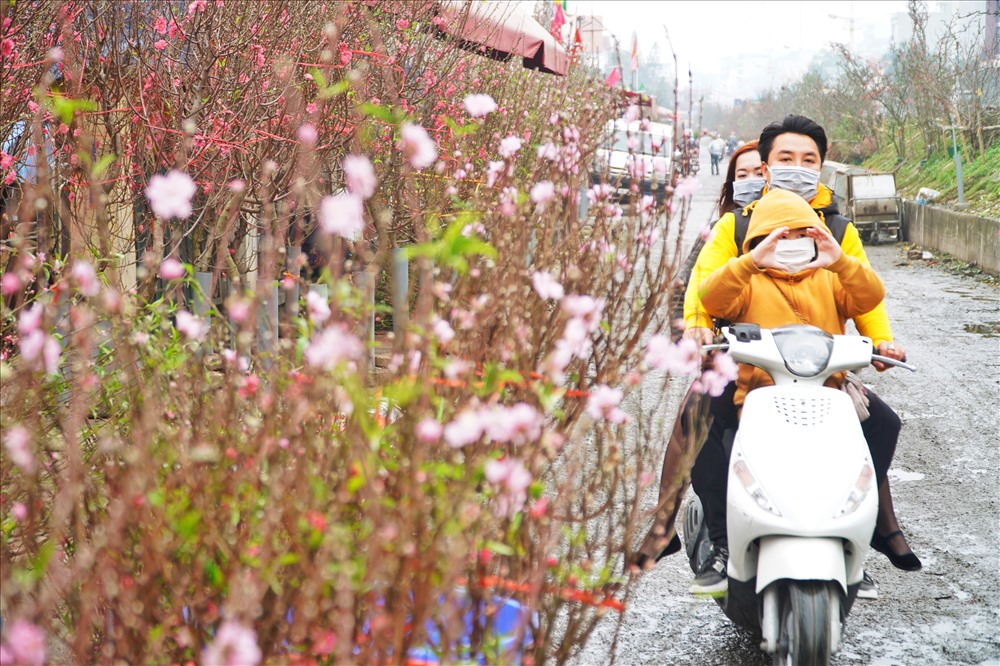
x: 795, y: 253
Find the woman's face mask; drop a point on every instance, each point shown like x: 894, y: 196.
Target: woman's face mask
x: 747, y: 190
x: 800, y: 180
x: 795, y: 253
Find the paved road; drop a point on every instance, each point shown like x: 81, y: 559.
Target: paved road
x: 946, y: 483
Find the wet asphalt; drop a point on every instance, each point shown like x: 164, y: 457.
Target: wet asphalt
x: 946, y: 488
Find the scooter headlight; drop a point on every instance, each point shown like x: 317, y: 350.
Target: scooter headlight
x: 806, y: 350
x: 753, y: 487
x: 858, y: 493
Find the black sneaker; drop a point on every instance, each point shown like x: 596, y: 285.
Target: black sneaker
x: 868, y: 589
x: 712, y: 580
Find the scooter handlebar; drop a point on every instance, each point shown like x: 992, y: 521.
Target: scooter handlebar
x: 723, y: 346
x: 892, y: 361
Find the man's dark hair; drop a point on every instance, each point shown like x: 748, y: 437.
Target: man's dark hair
x: 792, y: 124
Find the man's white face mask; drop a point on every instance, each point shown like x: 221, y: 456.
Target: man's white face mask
x: 800, y: 180
x: 795, y: 253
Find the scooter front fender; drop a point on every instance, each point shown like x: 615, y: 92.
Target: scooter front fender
x: 800, y: 558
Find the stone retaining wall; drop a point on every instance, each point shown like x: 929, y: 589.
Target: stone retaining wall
x: 967, y: 237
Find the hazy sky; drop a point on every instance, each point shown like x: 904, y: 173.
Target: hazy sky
x: 708, y: 32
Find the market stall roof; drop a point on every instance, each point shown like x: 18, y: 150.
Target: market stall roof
x: 502, y: 30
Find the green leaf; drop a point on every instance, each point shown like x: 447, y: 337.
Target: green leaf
x: 288, y: 559
x: 499, y: 548
x: 66, y: 108
x: 102, y: 165
x: 383, y: 113
x: 461, y: 130
x: 214, y: 574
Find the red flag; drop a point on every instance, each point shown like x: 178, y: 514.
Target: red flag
x: 558, y: 21
x: 635, y: 52
x: 577, y: 48
x: 613, y: 78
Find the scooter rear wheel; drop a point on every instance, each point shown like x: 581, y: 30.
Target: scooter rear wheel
x: 805, y: 624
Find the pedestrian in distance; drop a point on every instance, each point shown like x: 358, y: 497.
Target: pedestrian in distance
x: 716, y: 149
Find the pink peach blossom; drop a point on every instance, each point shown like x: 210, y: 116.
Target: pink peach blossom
x: 546, y: 286
x: 479, y: 105
x: 17, y: 441
x: 172, y: 269
x: 319, y: 309
x: 332, y: 347
x: 30, y: 319
x: 687, y: 187
x: 429, y: 430
x: 342, y: 214
x: 464, y: 429
x: 307, y: 134
x: 683, y: 358
x: 170, y: 195
x: 360, y: 176
x: 510, y: 145
x: 192, y: 327
x: 443, y: 331
x: 86, y: 278
x: 542, y: 193
x: 233, y: 645
x: 26, y: 642
x: 603, y: 404
x: 417, y: 146
x: 10, y: 284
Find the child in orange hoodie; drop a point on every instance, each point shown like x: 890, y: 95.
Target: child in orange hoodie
x: 792, y: 272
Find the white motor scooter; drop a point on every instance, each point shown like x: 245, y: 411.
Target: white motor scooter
x: 801, y: 497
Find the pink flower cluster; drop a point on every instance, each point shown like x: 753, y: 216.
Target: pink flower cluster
x: 603, y: 404
x: 683, y: 358
x: 170, y: 195
x: 546, y: 286
x: 171, y: 269
x: 17, y: 442
x: 331, y: 347
x: 233, y: 645
x: 584, y: 319
x: 417, y: 146
x: 25, y: 645
x: 479, y: 105
x: 519, y: 424
x: 86, y: 278
x: 38, y: 349
x: 342, y: 214
x: 509, y: 146
x: 319, y: 308
x: 714, y: 380
x: 542, y: 193
x: 513, y: 479
x: 192, y: 327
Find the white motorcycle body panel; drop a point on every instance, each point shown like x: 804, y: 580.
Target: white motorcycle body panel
x: 803, y: 445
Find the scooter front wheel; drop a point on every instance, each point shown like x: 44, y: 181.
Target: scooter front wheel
x: 805, y: 624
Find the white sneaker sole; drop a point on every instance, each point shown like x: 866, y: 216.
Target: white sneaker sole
x: 867, y: 593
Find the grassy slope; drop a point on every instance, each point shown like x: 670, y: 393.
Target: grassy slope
x: 981, y: 177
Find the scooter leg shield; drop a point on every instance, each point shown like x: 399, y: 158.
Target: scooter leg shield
x: 800, y: 558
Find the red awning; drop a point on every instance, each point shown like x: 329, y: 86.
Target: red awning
x: 502, y: 29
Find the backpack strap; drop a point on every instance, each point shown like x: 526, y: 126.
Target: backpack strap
x: 742, y: 216
x: 836, y: 223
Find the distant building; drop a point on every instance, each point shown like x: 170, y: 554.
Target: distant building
x: 970, y: 20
